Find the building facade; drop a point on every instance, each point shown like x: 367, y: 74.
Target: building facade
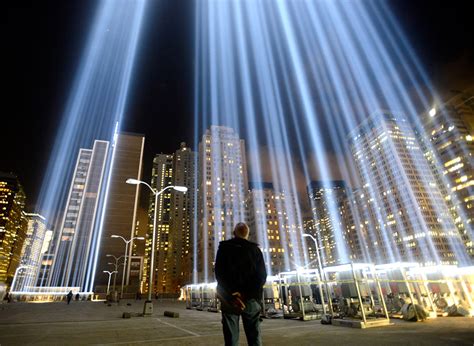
x: 78, y: 226
x: 449, y: 128
x: 334, y: 224
x: 31, y: 253
x: 175, y: 212
x: 161, y: 177
x: 13, y: 225
x: 222, y: 187
x: 120, y: 210
x: 182, y: 218
x: 46, y: 259
x: 267, y: 227
x: 409, y: 219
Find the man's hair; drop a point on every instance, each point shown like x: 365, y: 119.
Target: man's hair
x: 241, y: 230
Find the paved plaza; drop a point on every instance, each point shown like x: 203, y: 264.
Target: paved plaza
x: 98, y: 324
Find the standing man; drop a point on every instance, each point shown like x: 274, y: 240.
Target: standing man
x: 241, y: 274
x: 69, y: 297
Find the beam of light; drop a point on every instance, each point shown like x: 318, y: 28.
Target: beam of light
x: 94, y: 244
x: 96, y: 104
x: 310, y: 84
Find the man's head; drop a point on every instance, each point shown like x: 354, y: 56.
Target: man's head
x: 241, y: 230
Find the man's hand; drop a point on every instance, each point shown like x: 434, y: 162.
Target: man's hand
x: 238, y: 301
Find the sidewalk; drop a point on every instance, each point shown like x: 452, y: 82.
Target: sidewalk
x: 96, y: 323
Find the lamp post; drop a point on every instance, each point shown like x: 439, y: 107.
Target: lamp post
x: 110, y: 275
x: 148, y: 308
x: 320, y: 267
x: 116, y: 265
x: 125, y: 256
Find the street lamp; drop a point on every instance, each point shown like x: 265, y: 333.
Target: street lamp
x: 148, y: 308
x: 116, y: 266
x: 321, y: 272
x: 110, y: 275
x: 126, y: 253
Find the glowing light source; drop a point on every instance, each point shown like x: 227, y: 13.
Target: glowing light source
x: 177, y: 188
x: 432, y: 112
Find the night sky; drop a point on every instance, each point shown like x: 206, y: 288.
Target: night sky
x: 43, y: 42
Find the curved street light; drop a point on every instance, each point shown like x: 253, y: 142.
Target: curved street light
x: 125, y: 255
x: 148, y: 308
x: 116, y: 265
x: 110, y: 275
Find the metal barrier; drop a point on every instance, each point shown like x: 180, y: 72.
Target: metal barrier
x: 272, y: 305
x: 406, y: 291
x: 356, y: 296
x: 301, y: 294
x: 202, y: 297
x: 451, y: 288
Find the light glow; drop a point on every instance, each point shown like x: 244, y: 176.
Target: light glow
x: 180, y: 188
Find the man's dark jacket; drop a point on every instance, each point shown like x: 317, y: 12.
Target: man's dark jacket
x: 240, y: 268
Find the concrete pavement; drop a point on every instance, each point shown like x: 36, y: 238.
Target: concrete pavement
x: 95, y: 323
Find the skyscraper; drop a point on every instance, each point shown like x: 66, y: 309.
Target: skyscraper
x: 13, y: 225
x: 78, y: 226
x: 222, y: 186
x: 309, y: 227
x: 161, y: 177
x: 46, y: 259
x: 31, y: 254
x: 409, y: 219
x: 182, y: 217
x: 268, y: 226
x: 334, y: 225
x: 174, y: 242
x: 137, y: 261
x: 120, y: 208
x: 449, y: 127
x: 100, y: 204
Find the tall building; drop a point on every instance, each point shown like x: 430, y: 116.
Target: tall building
x: 449, y: 127
x: 222, y: 186
x: 46, y: 259
x: 161, y: 177
x: 100, y: 204
x: 409, y: 219
x: 182, y: 217
x: 13, y: 225
x: 362, y: 220
x: 137, y: 263
x: 175, y: 212
x: 334, y: 224
x: 121, y: 209
x: 268, y: 227
x: 31, y: 254
x: 79, y: 224
x: 309, y: 227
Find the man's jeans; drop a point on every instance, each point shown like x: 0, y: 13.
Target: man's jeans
x: 250, y: 320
